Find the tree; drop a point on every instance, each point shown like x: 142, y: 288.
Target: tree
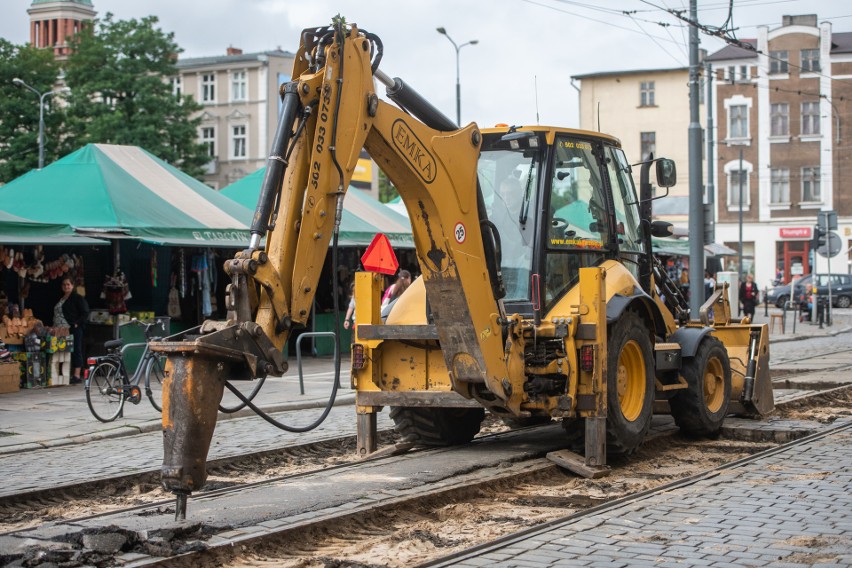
x: 119, y: 95
x: 19, y: 109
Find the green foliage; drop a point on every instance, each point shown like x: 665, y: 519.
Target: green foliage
x: 19, y: 109
x: 387, y: 190
x: 119, y: 93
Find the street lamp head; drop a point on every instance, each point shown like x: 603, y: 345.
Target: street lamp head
x: 442, y: 30
x: 473, y: 41
x: 18, y: 82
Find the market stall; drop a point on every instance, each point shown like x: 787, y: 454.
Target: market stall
x: 121, y: 213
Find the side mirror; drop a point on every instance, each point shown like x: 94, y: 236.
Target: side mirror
x: 666, y: 173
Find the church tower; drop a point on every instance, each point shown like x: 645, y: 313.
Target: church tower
x: 53, y: 21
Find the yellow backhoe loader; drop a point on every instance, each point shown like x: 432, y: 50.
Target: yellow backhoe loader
x: 539, y: 298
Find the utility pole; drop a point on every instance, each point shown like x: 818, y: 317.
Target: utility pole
x: 740, y: 253
x: 696, y: 193
x: 709, y: 209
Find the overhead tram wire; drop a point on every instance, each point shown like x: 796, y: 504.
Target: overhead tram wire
x: 556, y: 9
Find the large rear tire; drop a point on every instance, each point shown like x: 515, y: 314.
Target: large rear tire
x: 437, y: 426
x: 700, y: 409
x: 630, y: 385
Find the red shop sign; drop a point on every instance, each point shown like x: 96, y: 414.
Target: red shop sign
x: 795, y: 232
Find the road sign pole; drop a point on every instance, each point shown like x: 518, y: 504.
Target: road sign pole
x: 828, y: 276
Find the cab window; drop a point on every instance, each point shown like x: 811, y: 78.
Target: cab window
x: 576, y: 222
x: 509, y: 180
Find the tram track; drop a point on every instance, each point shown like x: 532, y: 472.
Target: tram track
x: 524, y: 480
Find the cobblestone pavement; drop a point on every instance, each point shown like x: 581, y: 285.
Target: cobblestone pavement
x: 790, y: 509
x: 51, y: 428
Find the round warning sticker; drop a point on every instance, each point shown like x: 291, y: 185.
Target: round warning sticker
x: 460, y: 232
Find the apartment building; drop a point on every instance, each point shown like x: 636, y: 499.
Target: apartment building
x: 648, y: 110
x: 783, y: 110
x: 239, y: 93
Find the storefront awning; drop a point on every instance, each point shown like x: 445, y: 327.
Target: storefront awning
x: 125, y: 192
x: 363, y: 216
x: 680, y: 247
x: 16, y: 230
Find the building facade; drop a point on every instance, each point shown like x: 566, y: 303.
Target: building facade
x: 52, y: 22
x: 648, y: 110
x: 781, y: 151
x: 239, y: 93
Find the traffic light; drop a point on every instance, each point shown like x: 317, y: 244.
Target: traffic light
x: 819, y: 238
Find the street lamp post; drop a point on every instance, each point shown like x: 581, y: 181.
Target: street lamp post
x: 458, y: 47
x: 41, y: 97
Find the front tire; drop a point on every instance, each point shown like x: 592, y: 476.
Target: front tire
x: 105, y: 392
x: 630, y: 385
x: 437, y: 426
x: 844, y: 301
x: 779, y: 303
x: 700, y: 409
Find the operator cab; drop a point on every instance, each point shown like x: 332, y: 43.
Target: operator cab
x: 560, y: 200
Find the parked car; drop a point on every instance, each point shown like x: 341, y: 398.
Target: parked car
x: 841, y: 290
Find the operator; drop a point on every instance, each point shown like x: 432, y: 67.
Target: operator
x: 515, y: 238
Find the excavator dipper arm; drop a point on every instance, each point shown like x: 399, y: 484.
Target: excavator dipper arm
x: 330, y: 111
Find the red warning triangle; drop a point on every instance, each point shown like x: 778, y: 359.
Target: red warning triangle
x: 379, y: 256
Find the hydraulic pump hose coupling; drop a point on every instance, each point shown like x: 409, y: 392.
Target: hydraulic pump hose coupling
x: 748, y: 382
x: 192, y: 392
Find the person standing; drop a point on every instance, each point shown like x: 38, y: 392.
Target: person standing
x: 350, y: 311
x: 72, y: 311
x: 749, y: 296
x: 709, y: 285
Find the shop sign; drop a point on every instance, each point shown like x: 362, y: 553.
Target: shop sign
x: 795, y: 232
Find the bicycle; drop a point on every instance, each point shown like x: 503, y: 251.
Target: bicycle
x: 108, y: 385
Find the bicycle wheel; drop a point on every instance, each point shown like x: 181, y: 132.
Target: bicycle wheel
x: 104, y: 391
x: 155, y: 374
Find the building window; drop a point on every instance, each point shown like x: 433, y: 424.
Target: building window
x: 738, y: 179
x: 208, y: 138
x: 732, y: 74
x: 810, y: 119
x: 238, y: 86
x: 238, y: 141
x: 811, y: 192
x: 177, y: 86
x: 780, y: 186
x: 208, y: 87
x: 810, y: 60
x: 778, y: 61
x: 744, y: 73
x: 646, y: 93
x: 779, y: 114
x: 648, y: 141
x: 738, y: 121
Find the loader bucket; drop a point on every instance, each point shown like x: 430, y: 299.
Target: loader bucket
x: 748, y: 351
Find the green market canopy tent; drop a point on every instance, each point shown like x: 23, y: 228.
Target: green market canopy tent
x: 363, y: 216
x: 16, y: 230
x: 125, y: 192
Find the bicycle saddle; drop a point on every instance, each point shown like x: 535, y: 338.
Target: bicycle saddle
x: 113, y: 343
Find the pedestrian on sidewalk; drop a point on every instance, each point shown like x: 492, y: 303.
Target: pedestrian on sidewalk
x: 749, y: 296
x: 72, y: 312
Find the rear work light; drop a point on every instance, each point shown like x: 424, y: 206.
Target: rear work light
x: 587, y: 358
x: 358, y: 356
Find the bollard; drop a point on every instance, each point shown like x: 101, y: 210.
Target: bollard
x: 766, y: 303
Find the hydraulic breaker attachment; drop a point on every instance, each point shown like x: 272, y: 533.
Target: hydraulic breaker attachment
x: 196, y: 371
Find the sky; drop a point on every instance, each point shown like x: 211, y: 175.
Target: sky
x: 520, y: 70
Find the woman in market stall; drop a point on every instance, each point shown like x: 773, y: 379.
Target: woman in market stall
x: 72, y: 311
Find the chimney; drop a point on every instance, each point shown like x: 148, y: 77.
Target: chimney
x: 234, y: 51
x: 803, y: 20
